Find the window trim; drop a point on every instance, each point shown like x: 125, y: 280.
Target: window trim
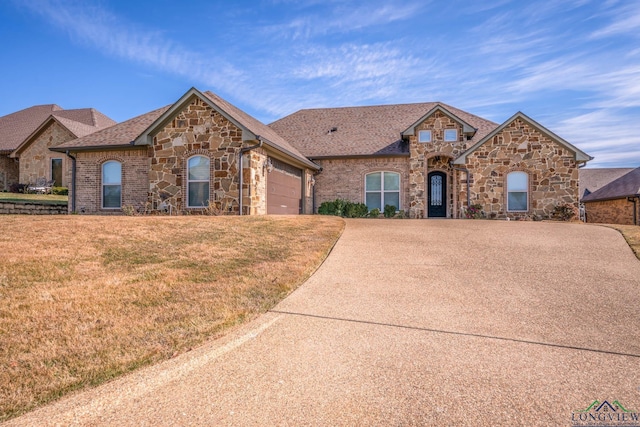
x: 189, y: 181
x: 103, y: 185
x: 425, y: 140
x: 526, y: 191
x: 444, y: 136
x: 382, y: 190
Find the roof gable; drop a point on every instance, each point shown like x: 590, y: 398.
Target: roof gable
x: 252, y: 129
x: 18, y: 126
x: 466, y: 127
x: 579, y: 154
x: 625, y: 186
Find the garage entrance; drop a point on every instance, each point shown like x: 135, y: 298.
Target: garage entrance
x: 284, y: 189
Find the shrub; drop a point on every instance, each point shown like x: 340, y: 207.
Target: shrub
x: 564, y: 212
x: 474, y: 211
x: 343, y: 208
x: 375, y: 213
x: 18, y: 188
x: 389, y: 211
x: 60, y: 191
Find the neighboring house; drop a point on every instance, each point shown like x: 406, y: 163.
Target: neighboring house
x: 617, y: 202
x: 199, y: 153
x: 433, y: 160
x: 430, y: 160
x: 592, y: 179
x: 27, y: 135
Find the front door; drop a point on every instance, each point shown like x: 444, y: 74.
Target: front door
x: 437, y: 195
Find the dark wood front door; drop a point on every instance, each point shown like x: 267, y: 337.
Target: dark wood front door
x: 437, y: 195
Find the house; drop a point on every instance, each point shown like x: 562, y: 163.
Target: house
x: 592, y: 179
x: 433, y: 160
x: 27, y: 135
x: 429, y: 159
x: 197, y: 154
x: 617, y: 202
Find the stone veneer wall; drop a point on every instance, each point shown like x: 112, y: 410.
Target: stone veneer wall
x: 552, y: 170
x: 617, y: 211
x: 31, y: 209
x: 423, y: 161
x: 344, y: 178
x: 197, y: 130
x: 254, y: 186
x: 135, y: 179
x: 35, y: 159
x: 9, y: 172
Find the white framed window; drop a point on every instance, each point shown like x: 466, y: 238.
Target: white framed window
x: 451, y: 135
x: 424, y: 136
x: 517, y: 192
x: 382, y: 188
x: 112, y: 185
x: 198, y: 174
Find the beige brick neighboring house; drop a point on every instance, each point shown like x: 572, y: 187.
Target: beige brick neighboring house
x: 199, y: 154
x: 433, y: 160
x: 617, y: 202
x: 27, y: 135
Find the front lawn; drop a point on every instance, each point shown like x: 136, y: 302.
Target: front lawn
x: 28, y: 198
x: 84, y: 299
x: 631, y: 234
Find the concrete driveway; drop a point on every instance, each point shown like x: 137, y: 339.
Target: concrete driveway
x: 425, y: 322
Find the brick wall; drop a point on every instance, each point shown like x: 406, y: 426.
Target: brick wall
x: 551, y: 168
x: 35, y: 159
x: 618, y: 211
x: 135, y: 179
x: 344, y: 178
x: 9, y: 172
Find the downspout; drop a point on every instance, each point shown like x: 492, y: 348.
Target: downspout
x: 633, y: 199
x: 313, y: 193
x: 73, y: 181
x: 465, y: 170
x: 241, y: 176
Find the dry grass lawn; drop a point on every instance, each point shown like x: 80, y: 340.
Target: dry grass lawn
x: 85, y: 299
x: 631, y: 234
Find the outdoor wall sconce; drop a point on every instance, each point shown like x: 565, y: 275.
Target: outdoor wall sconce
x: 312, y: 181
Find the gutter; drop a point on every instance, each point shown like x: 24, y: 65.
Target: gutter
x: 241, y: 168
x: 73, y: 181
x: 465, y: 170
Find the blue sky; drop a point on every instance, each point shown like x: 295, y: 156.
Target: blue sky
x: 572, y: 65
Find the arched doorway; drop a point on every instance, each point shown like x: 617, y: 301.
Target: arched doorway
x: 437, y: 201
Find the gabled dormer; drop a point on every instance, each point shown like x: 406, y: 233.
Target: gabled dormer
x: 440, y: 125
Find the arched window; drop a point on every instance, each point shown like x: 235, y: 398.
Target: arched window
x: 111, y: 185
x: 382, y: 188
x: 517, y: 191
x: 198, y: 181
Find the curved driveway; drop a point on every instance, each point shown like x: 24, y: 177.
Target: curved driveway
x: 411, y: 322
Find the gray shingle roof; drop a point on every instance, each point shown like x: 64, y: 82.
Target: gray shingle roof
x: 626, y: 185
x: 17, y: 127
x: 118, y: 135
x: 256, y: 127
x: 596, y: 178
x: 361, y: 131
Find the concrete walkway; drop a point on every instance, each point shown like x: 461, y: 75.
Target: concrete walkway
x: 425, y: 322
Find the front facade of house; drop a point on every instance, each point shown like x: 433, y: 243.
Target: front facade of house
x: 199, y: 155
x: 27, y: 137
x: 202, y: 154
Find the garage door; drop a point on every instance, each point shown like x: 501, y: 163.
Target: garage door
x: 284, y: 189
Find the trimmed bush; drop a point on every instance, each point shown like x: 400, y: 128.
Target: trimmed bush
x: 343, y: 208
x: 375, y: 213
x: 60, y: 191
x: 389, y: 211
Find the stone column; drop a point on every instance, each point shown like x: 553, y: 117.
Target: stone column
x: 454, y: 192
x: 425, y: 214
